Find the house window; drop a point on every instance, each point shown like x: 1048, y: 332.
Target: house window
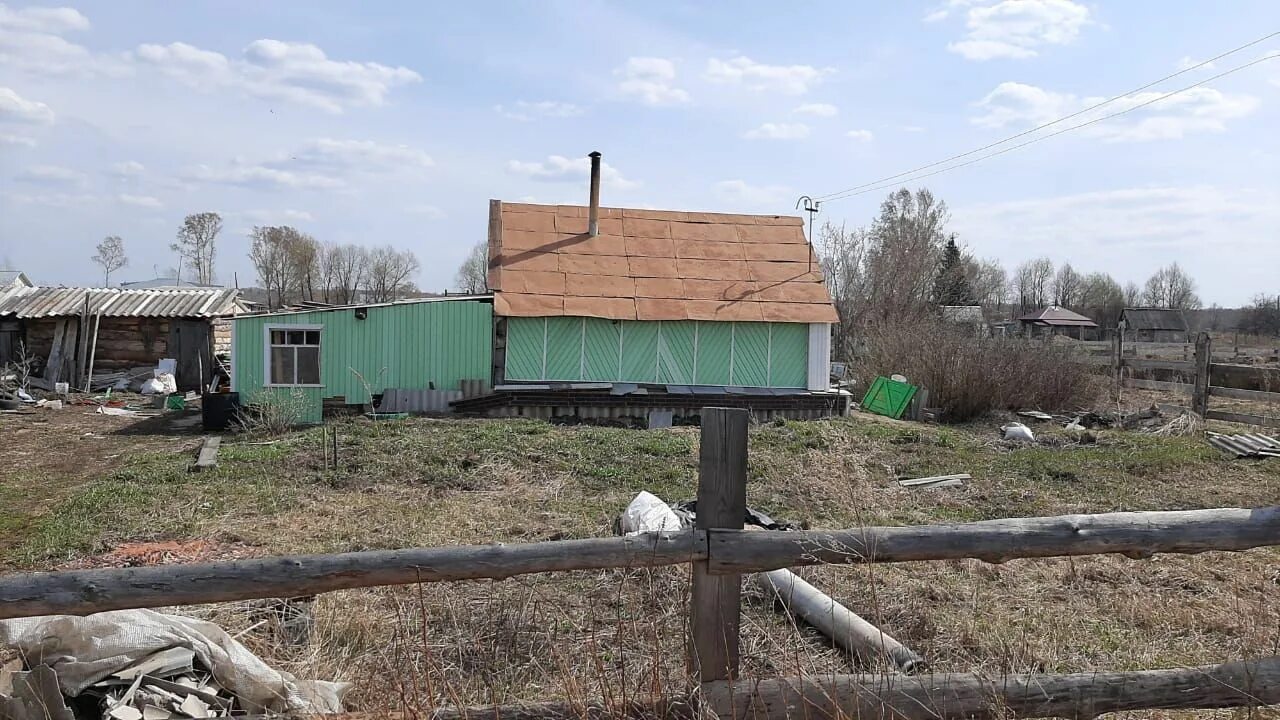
x: 293, y: 356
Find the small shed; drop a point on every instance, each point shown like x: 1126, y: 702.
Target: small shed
x: 408, y: 355
x: 73, y: 332
x: 1055, y: 320
x: 1144, y: 324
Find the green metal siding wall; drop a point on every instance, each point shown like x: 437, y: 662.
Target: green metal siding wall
x: 674, y: 352
x: 413, y: 345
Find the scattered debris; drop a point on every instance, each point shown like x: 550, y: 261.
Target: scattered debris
x: 1184, y: 424
x: 106, y: 410
x: 1017, y: 431
x: 163, y: 552
x: 1248, y: 445
x: 937, y: 481
x: 145, y: 665
x: 648, y: 513
x: 1036, y: 415
x: 208, y: 457
x: 49, y: 404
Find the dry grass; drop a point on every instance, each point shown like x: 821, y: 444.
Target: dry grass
x: 620, y: 635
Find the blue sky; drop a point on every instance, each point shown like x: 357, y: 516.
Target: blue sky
x: 395, y: 123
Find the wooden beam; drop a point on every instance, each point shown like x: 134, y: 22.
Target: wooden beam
x: 1242, y: 394
x: 208, y: 457
x: 1242, y: 418
x: 81, y: 592
x: 1157, y: 385
x: 946, y: 696
x: 1182, y: 365
x: 722, y: 503
x: 1134, y: 534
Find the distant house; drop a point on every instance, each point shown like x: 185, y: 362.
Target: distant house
x: 1154, y: 325
x: 1055, y: 320
x: 14, y: 279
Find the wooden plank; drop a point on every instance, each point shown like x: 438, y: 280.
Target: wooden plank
x: 1242, y: 394
x: 1157, y: 385
x: 53, y: 365
x: 81, y: 592
x: 936, y: 481
x: 208, y: 458
x: 1135, y: 534
x: 1200, y: 384
x: 1242, y: 418
x: 1159, y: 364
x: 722, y: 503
x: 954, y: 695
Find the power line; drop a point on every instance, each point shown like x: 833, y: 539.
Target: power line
x: 1052, y: 122
x: 863, y: 189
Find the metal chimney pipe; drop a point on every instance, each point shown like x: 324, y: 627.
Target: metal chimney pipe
x: 593, y: 219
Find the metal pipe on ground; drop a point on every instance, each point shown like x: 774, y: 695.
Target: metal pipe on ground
x: 845, y: 627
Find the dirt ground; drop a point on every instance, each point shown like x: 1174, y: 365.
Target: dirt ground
x: 97, y: 491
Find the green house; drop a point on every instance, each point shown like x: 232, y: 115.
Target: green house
x: 350, y: 354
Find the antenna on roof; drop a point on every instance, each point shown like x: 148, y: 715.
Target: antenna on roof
x: 810, y: 206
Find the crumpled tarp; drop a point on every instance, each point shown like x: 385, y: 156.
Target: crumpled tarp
x: 85, y: 650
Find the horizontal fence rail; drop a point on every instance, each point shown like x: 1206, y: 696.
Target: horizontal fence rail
x: 81, y: 592
x: 1135, y: 534
x: 957, y: 696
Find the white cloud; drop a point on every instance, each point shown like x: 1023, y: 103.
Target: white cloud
x: 431, y: 212
x: 15, y: 108
x: 55, y: 200
x: 525, y: 111
x: 742, y: 70
x: 292, y: 72
x: 1015, y: 29
x: 778, y: 131
x: 282, y: 216
x: 128, y: 168
x: 943, y: 11
x: 42, y: 19
x: 557, y: 168
x: 743, y: 195
x: 817, y: 110
x: 17, y: 140
x: 142, y: 201
x: 355, y: 155
x: 1187, y: 62
x: 1199, y: 109
x: 860, y: 135
x: 262, y: 177
x: 31, y: 41
x: 651, y: 80
x: 51, y: 175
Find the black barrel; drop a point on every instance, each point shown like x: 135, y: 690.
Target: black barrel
x: 217, y: 410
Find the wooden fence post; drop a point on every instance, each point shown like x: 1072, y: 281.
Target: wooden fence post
x: 1200, y: 384
x: 1118, y: 360
x: 722, y: 503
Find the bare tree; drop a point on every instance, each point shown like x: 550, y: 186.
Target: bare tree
x: 989, y: 282
x: 472, y: 277
x: 1066, y: 287
x: 1031, y: 283
x: 350, y: 266
x: 1171, y: 287
x: 388, y: 273
x: 842, y: 256
x: 1262, y: 317
x: 196, y: 245
x: 110, y: 256
x: 1132, y: 294
x: 1101, y: 298
x: 904, y: 249
x: 279, y: 254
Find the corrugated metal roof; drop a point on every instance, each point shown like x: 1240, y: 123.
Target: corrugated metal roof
x: 1054, y: 315
x: 653, y: 265
x: 331, y: 308
x: 1154, y: 319
x: 114, y: 302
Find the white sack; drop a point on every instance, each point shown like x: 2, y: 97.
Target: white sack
x: 647, y: 513
x: 1018, y: 431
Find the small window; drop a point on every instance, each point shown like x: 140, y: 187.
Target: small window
x: 294, y: 357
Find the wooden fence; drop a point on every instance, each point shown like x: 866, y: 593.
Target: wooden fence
x: 1203, y: 373
x: 720, y: 551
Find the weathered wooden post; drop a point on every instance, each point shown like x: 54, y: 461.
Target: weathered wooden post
x: 1200, y: 384
x: 1118, y: 349
x: 722, y: 503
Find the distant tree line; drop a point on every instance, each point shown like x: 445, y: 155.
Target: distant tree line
x: 293, y: 266
x: 905, y: 265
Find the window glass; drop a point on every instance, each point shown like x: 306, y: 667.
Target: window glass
x: 296, y: 337
x: 282, y: 366
x: 313, y: 337
x: 277, y: 337
x: 308, y: 359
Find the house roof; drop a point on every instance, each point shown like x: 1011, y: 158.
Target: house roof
x: 653, y: 265
x: 28, y: 302
x: 353, y: 306
x: 163, y: 282
x: 1154, y: 319
x: 1054, y: 315
x: 14, y: 278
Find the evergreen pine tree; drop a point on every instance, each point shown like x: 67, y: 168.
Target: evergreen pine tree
x: 951, y: 287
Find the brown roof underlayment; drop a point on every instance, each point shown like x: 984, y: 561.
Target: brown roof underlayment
x: 653, y: 265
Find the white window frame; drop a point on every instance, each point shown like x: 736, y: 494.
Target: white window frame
x: 266, y: 355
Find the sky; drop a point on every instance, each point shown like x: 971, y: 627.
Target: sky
x: 380, y: 122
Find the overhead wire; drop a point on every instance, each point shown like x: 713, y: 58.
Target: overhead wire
x: 882, y: 183
x: 848, y: 191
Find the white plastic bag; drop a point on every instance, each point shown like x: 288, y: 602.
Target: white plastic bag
x: 1018, y: 431
x: 153, y: 387
x: 647, y: 513
x: 169, y: 382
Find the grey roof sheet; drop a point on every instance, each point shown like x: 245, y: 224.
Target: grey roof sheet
x: 114, y: 302
x: 1054, y: 315
x: 1155, y: 319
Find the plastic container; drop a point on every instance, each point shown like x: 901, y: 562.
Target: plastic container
x: 218, y: 410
